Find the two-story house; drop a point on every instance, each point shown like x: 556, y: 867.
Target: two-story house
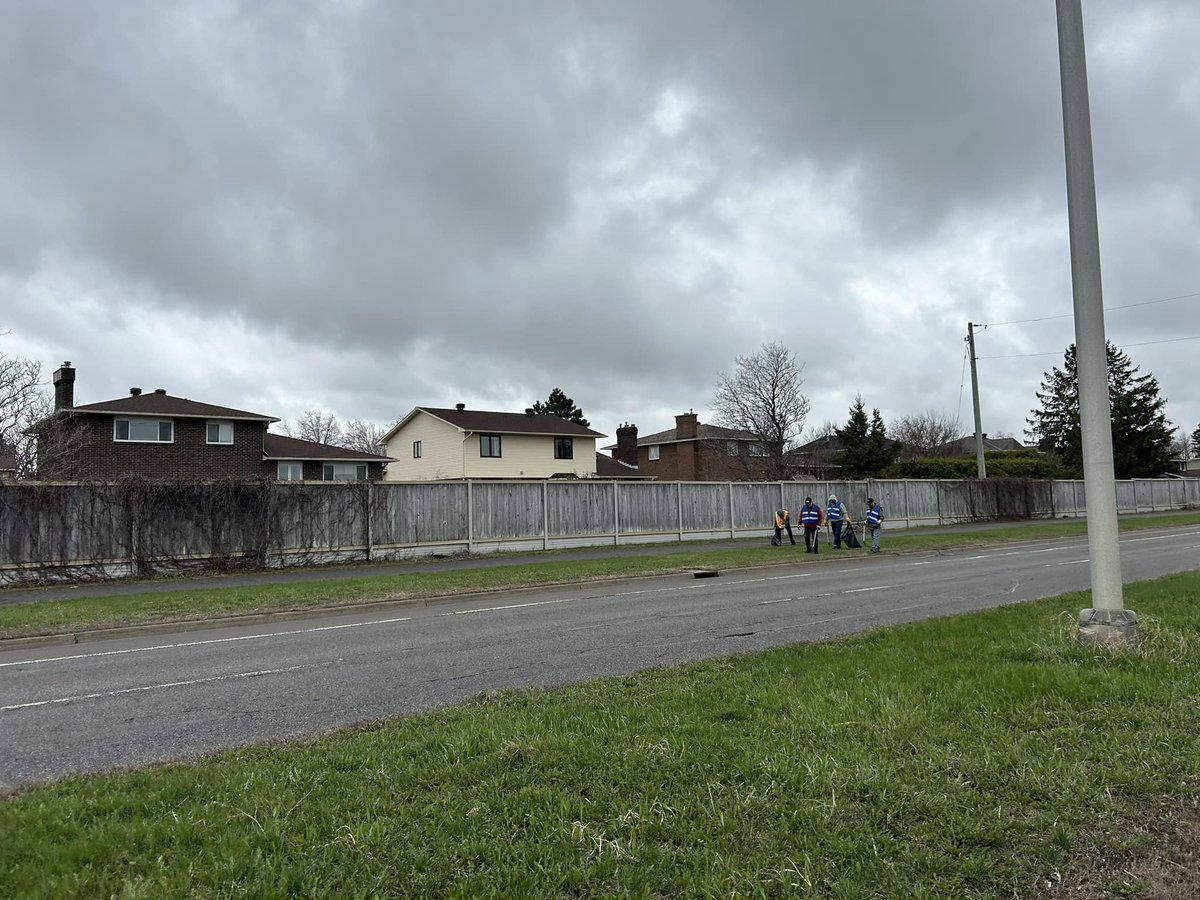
x: 431, y: 444
x: 692, y: 451
x: 160, y: 436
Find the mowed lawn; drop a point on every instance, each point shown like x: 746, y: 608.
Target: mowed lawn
x: 987, y: 755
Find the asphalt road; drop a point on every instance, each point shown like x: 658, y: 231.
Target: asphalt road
x: 148, y: 699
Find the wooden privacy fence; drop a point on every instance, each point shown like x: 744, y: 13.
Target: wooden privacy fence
x: 139, y: 527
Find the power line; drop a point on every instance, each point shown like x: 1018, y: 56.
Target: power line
x: 1107, y: 309
x: 1194, y: 337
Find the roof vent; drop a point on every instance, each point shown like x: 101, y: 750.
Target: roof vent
x: 460, y: 406
x: 529, y: 410
x: 135, y: 392
x: 162, y: 391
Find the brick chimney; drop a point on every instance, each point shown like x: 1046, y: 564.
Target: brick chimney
x: 627, y: 445
x: 64, y: 387
x: 685, y: 425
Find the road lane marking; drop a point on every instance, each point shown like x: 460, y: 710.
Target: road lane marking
x: 155, y: 687
x: 882, y: 587
x: 1070, y: 562
x: 227, y: 640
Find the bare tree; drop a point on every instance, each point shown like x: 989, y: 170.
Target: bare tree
x: 365, y: 436
x: 762, y: 397
x: 23, y: 402
x: 315, y: 425
x: 926, y: 433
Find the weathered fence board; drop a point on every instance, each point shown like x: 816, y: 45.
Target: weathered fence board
x: 132, y: 527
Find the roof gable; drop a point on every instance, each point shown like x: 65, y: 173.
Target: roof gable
x: 478, y: 420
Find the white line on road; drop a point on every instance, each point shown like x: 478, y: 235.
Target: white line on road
x: 155, y: 687
x: 242, y: 637
x: 1070, y: 562
x: 882, y: 587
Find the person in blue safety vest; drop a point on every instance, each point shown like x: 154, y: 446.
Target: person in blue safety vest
x: 835, y: 513
x: 874, y: 518
x: 811, y: 519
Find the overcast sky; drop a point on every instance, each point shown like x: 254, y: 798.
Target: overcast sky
x: 370, y: 206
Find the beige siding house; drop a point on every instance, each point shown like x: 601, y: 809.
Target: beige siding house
x: 439, y: 444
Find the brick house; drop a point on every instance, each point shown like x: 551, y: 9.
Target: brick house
x: 160, y: 436
x: 692, y: 451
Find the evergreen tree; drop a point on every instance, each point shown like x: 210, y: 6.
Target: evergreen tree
x: 1196, y: 442
x: 855, y: 456
x: 881, y: 452
x: 559, y: 404
x: 1141, y: 434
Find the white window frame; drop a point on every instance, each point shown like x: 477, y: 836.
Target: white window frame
x: 285, y: 468
x: 416, y: 449
x: 141, y: 420
x: 653, y: 452
x: 221, y: 425
x: 337, y: 471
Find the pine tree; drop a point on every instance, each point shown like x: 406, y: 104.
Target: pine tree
x: 1141, y: 434
x: 559, y: 404
x: 1196, y: 442
x: 855, y: 456
x: 881, y: 451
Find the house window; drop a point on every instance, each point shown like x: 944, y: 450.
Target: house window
x: 220, y: 431
x: 290, y: 471
x: 731, y: 448
x: 758, y: 450
x: 654, y: 452
x: 564, y: 448
x: 416, y: 449
x: 489, y: 445
x: 344, y: 472
x: 154, y: 431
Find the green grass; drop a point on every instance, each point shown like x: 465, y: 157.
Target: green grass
x: 90, y: 613
x: 962, y: 757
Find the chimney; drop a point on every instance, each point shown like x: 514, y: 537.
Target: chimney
x: 460, y: 406
x: 135, y: 392
x: 627, y: 445
x: 64, y: 387
x: 161, y: 391
x: 685, y: 425
x: 529, y: 410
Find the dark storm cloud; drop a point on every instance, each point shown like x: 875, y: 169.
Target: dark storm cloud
x: 617, y: 198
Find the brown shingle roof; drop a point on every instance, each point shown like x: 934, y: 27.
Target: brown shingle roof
x: 279, y: 446
x: 607, y: 467
x: 509, y: 423
x: 156, y: 404
x: 703, y: 433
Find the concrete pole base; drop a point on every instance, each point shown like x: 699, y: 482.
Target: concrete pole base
x: 1114, y: 628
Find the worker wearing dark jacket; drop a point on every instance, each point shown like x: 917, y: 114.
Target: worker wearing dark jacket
x: 811, y: 519
x: 782, y: 520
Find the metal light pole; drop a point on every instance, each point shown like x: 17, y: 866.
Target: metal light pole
x: 1107, y: 622
x: 980, y: 463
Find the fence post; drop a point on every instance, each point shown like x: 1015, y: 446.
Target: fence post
x: 470, y: 518
x: 732, y: 523
x: 545, y: 516
x: 679, y: 506
x: 616, y: 516
x: 370, y: 531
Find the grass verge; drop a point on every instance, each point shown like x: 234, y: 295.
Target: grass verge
x: 90, y: 613
x: 964, y: 757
